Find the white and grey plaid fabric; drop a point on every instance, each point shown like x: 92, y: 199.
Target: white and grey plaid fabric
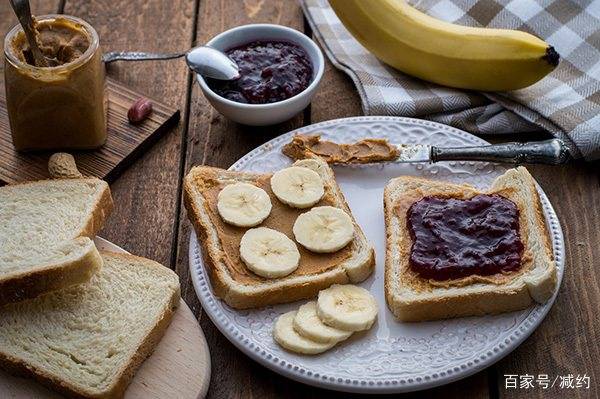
x: 565, y: 103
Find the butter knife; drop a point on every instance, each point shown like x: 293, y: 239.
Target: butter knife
x: 375, y: 150
x: 549, y: 152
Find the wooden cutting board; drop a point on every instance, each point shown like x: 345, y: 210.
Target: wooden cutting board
x: 179, y: 368
x: 125, y: 141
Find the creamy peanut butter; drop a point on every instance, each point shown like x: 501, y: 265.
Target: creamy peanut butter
x: 281, y: 218
x: 62, y: 106
x: 60, y: 40
x: 364, y: 151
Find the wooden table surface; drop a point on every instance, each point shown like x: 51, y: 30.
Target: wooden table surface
x: 149, y: 219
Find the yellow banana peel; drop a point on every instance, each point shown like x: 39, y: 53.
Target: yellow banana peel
x: 448, y: 54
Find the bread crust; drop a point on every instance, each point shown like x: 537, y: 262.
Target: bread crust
x: 19, y: 367
x: 54, y: 277
x: 237, y: 295
x: 147, y: 346
x: 476, y: 296
x: 31, y: 283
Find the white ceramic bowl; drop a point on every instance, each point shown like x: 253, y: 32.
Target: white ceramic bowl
x: 272, y: 113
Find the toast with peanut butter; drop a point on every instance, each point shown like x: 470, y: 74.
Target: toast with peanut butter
x: 231, y: 251
x: 452, y: 250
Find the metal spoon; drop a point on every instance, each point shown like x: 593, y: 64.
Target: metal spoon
x: 23, y: 12
x: 212, y: 63
x: 204, y: 60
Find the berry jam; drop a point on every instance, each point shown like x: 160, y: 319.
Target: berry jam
x: 269, y: 72
x: 454, y: 238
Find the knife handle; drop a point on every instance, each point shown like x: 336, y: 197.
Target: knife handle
x: 549, y: 152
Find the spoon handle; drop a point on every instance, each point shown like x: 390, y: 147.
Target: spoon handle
x: 138, y: 56
x: 23, y: 11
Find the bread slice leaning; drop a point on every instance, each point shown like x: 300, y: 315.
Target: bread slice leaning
x: 411, y: 298
x: 88, y: 341
x: 46, y: 231
x: 357, y: 267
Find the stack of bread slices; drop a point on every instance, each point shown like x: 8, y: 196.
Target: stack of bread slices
x: 74, y: 318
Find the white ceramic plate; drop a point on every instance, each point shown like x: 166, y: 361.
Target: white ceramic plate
x: 392, y: 356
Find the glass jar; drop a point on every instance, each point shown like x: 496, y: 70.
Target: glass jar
x: 62, y: 106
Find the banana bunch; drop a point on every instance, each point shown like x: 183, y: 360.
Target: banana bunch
x: 452, y: 55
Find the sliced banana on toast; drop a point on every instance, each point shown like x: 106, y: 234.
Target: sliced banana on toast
x: 347, y: 307
x: 269, y: 253
x: 286, y: 336
x: 308, y: 324
x: 243, y: 204
x: 324, y: 229
x: 297, y: 186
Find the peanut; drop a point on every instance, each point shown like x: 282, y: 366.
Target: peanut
x: 62, y: 166
x: 139, y: 110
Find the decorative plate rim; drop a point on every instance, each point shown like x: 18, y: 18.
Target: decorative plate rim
x: 383, y: 384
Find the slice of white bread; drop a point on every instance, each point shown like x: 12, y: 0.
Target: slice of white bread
x: 412, y: 298
x: 356, y: 267
x: 45, y: 235
x: 88, y: 341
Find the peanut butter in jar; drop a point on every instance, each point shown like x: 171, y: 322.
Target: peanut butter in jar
x: 62, y: 106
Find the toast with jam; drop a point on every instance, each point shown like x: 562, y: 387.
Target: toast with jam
x: 260, y: 241
x: 452, y: 250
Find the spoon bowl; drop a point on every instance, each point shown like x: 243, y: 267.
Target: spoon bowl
x: 212, y: 63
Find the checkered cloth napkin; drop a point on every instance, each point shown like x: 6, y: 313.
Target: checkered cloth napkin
x: 565, y: 103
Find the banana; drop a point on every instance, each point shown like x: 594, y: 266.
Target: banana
x: 444, y: 53
x: 347, y: 307
x: 308, y: 324
x: 243, y: 204
x: 298, y: 187
x: 286, y: 336
x: 324, y: 229
x: 269, y: 253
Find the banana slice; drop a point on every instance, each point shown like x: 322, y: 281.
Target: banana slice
x: 298, y: 187
x: 308, y: 324
x: 286, y: 336
x: 324, y: 229
x: 269, y: 253
x: 347, y: 307
x: 243, y: 204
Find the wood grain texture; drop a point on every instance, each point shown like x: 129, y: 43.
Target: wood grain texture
x: 146, y: 194
x: 179, y: 367
x: 336, y: 97
x: 216, y: 141
x: 566, y: 341
x: 125, y: 141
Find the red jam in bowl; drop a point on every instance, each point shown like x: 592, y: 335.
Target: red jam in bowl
x: 270, y: 71
x: 455, y: 238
